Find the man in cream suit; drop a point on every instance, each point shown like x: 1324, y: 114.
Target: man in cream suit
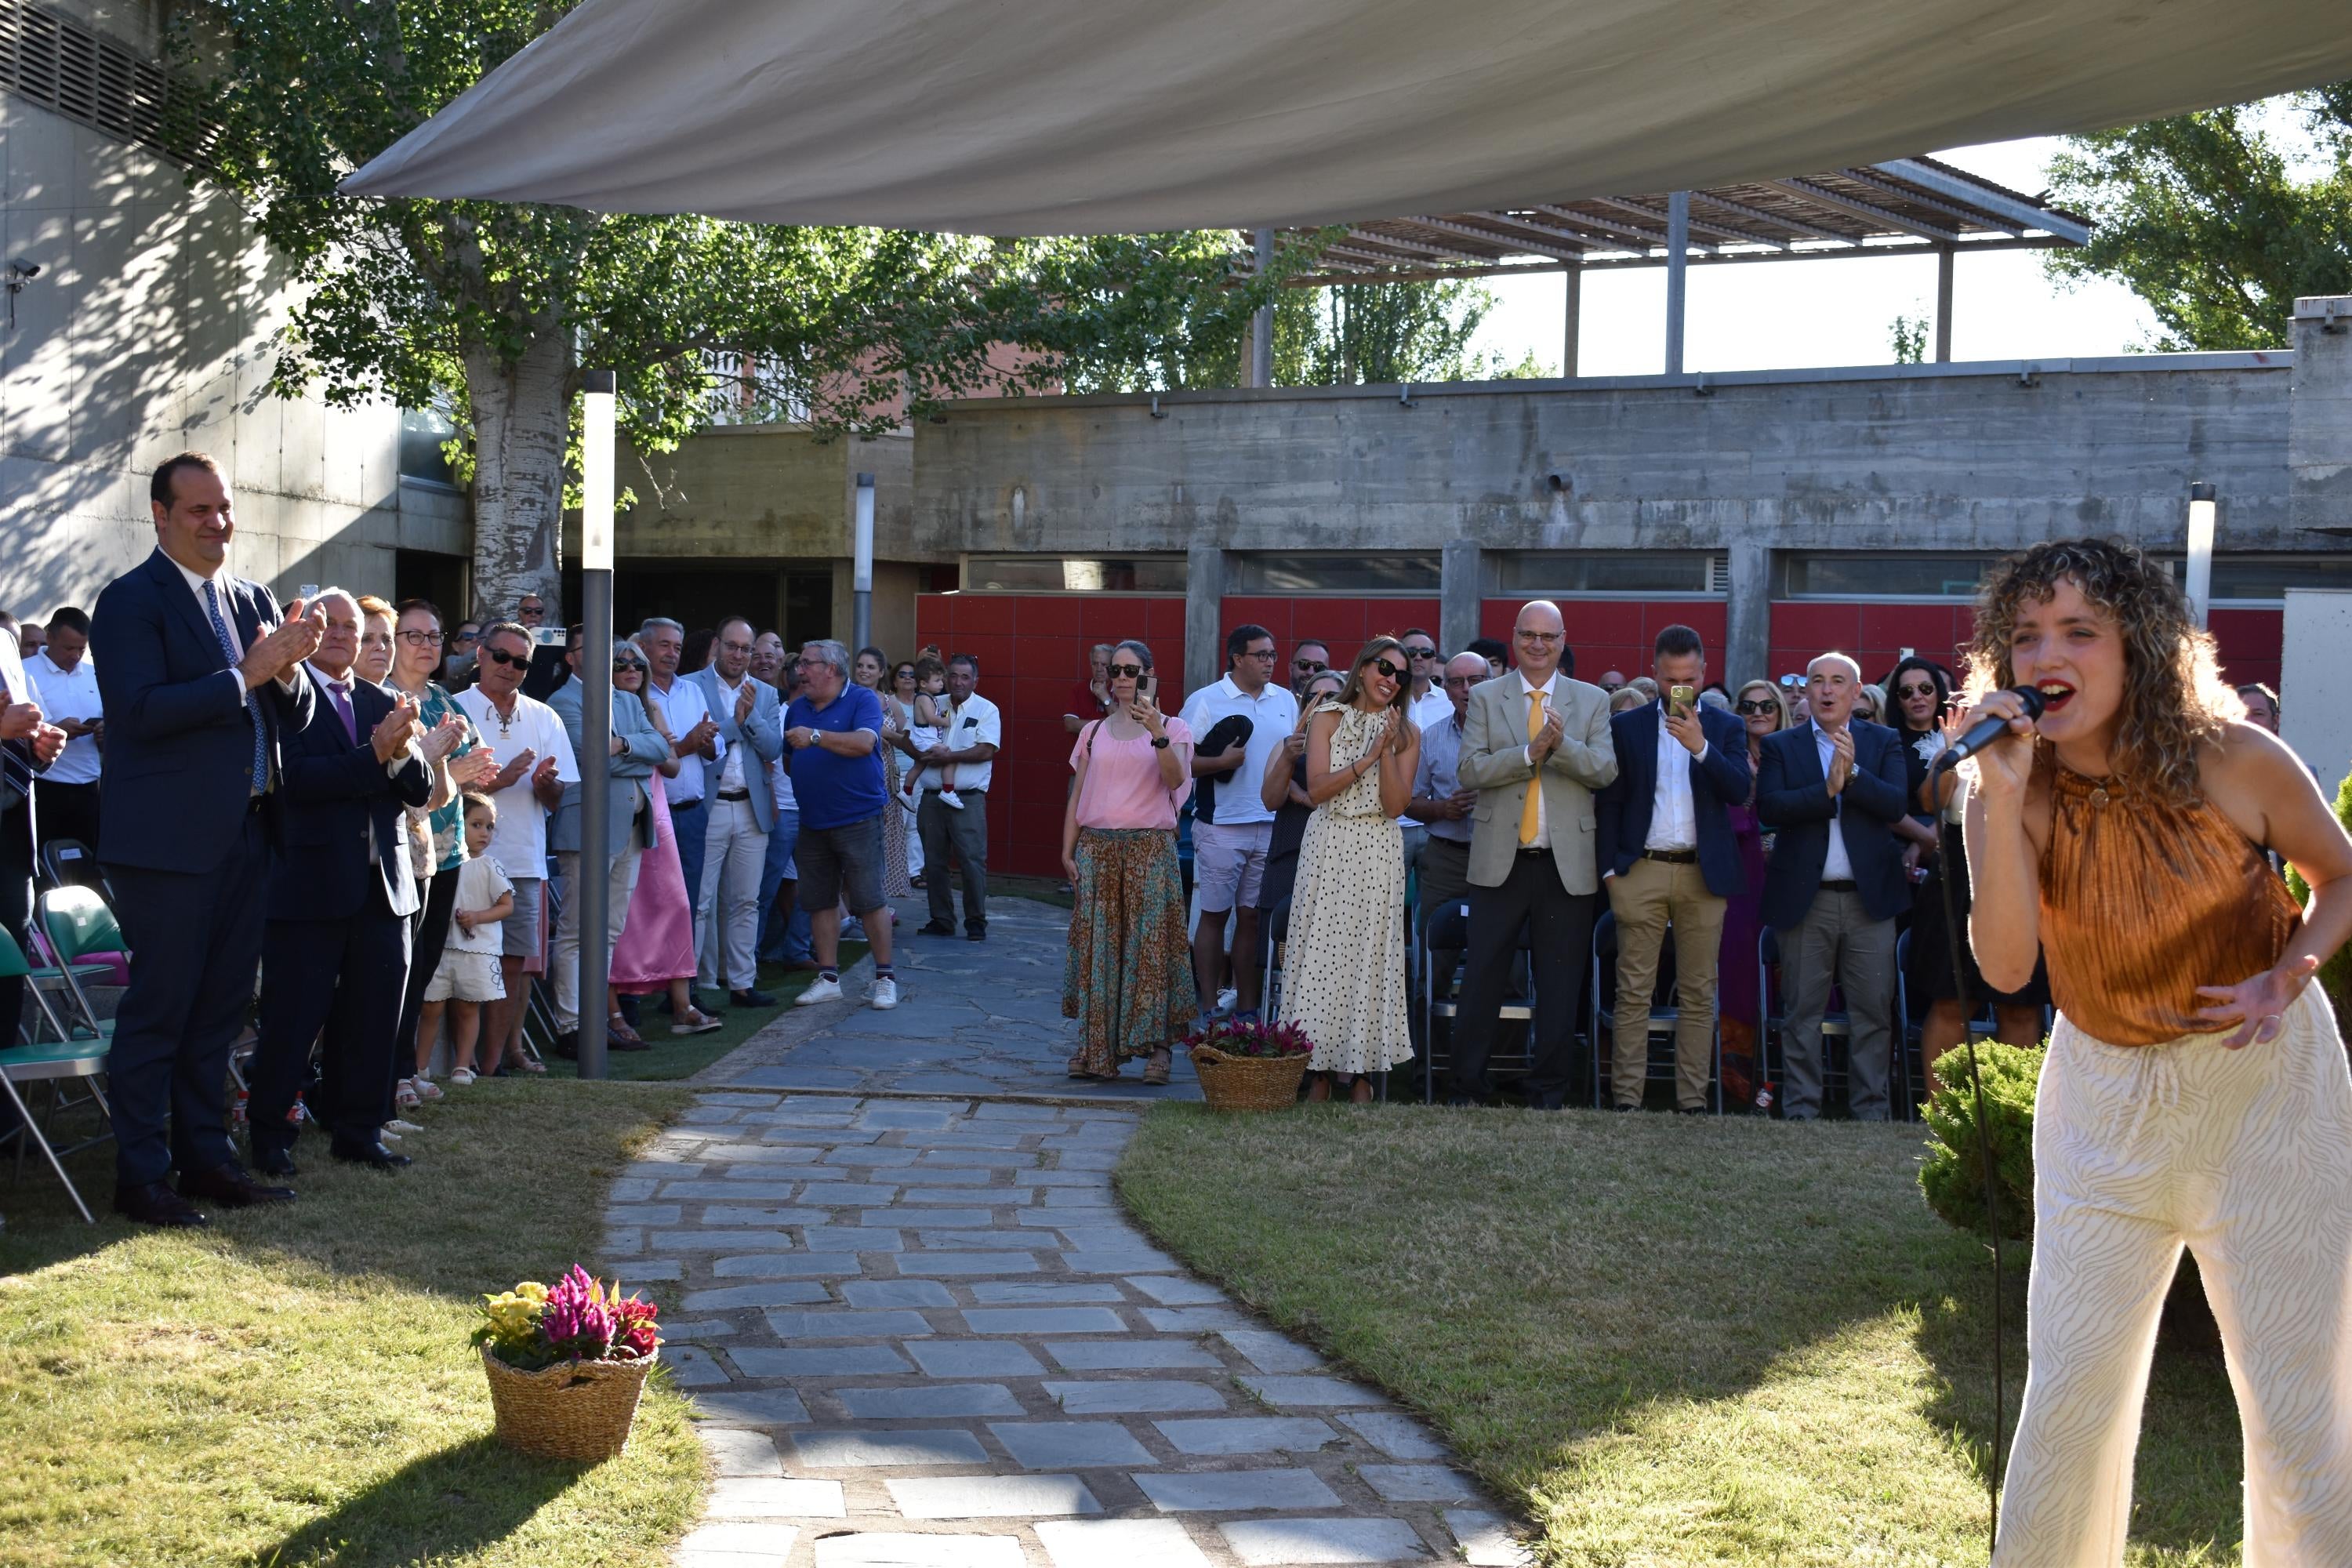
x: 1532, y: 864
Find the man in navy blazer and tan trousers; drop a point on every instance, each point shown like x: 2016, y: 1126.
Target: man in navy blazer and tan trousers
x: 201, y: 679
x: 1667, y: 858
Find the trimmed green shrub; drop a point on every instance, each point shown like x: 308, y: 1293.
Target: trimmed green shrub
x: 1953, y: 1175
x: 2335, y: 975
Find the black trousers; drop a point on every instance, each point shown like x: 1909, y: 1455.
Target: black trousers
x: 1559, y: 949
x: 195, y: 940
x: 69, y: 811
x: 16, y: 905
x: 967, y: 830
x: 346, y: 977
x: 427, y: 936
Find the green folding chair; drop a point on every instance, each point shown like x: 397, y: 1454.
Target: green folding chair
x: 78, y: 924
x: 51, y: 1061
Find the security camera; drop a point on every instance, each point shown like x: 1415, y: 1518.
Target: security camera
x: 24, y: 269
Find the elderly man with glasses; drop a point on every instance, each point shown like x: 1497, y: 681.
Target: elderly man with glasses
x: 741, y: 811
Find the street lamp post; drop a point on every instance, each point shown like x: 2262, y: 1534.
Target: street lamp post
x: 861, y: 565
x: 593, y: 885
x: 2200, y: 551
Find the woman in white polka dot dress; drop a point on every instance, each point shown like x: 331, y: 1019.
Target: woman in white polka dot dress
x: 1344, y: 957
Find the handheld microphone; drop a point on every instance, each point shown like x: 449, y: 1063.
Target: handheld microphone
x: 1985, y: 732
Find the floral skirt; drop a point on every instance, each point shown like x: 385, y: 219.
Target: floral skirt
x: 1128, y: 977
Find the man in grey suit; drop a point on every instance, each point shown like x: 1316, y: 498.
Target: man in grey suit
x: 1532, y: 864
x: 636, y: 746
x: 741, y: 811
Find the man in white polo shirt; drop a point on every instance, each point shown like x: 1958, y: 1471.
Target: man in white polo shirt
x: 1238, y: 724
x: 68, y: 689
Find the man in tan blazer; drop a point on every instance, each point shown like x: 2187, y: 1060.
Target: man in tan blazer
x: 1532, y: 864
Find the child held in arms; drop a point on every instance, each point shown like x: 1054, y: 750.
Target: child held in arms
x: 930, y: 728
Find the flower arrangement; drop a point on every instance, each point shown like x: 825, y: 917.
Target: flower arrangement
x: 1255, y: 1039
x: 577, y: 1319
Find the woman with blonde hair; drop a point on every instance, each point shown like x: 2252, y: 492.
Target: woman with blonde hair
x: 1345, y: 952
x: 2195, y: 1089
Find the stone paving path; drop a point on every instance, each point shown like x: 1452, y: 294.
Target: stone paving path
x: 923, y: 1335
x: 973, y: 1018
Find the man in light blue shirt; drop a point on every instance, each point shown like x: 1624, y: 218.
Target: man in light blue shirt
x: 1439, y: 801
x: 741, y: 807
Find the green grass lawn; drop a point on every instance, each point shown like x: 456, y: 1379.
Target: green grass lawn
x: 1665, y: 1340
x: 293, y: 1386
x: 683, y: 1056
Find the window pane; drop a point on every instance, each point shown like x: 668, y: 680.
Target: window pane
x: 1904, y: 577
x: 2269, y: 578
x: 1076, y: 574
x: 1607, y: 571
x: 422, y: 431
x: 1336, y: 574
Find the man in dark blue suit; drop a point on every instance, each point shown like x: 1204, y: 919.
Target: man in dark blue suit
x: 336, y: 952
x: 1833, y: 789
x: 198, y: 679
x: 1667, y: 860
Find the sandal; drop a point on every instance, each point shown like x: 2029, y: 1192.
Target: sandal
x: 522, y: 1064
x: 404, y: 1096
x: 1156, y: 1066
x: 426, y: 1089
x: 461, y: 1078
x: 618, y: 1032
x: 1078, y: 1070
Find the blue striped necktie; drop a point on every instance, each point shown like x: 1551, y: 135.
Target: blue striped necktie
x: 252, y: 713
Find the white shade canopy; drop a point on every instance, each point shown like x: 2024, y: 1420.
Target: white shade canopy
x: 1117, y: 116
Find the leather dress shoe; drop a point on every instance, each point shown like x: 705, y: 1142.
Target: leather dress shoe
x: 1462, y: 1102
x: 567, y: 1045
x: 231, y: 1188
x: 750, y: 999
x: 935, y: 928
x: 976, y: 933
x: 153, y: 1203
x: 275, y: 1161
x: 375, y: 1155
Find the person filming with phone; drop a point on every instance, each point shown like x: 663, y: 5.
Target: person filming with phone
x: 1238, y: 723
x: 1669, y: 860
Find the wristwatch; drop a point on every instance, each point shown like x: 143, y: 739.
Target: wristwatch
x: 1159, y: 745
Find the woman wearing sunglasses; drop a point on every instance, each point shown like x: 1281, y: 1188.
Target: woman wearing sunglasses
x: 1128, y: 976
x: 1761, y: 712
x: 1346, y: 940
x: 655, y: 952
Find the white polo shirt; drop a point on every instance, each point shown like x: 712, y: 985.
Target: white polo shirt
x: 520, y: 841
x: 69, y: 694
x: 1273, y: 714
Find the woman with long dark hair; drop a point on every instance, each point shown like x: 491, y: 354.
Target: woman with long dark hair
x: 1343, y: 960
x: 2195, y: 1090
x: 872, y: 669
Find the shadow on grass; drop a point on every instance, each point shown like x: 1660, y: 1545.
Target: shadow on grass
x: 449, y: 1504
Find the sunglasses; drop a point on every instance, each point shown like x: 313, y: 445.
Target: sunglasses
x: 501, y: 656
x: 1745, y: 706
x: 462, y: 638
x: 1421, y: 652
x: 1311, y: 666
x: 621, y: 664
x: 1393, y: 671
x: 1915, y: 691
x: 1130, y: 671
x: 531, y: 610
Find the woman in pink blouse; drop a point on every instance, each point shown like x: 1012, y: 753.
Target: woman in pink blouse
x: 1128, y: 978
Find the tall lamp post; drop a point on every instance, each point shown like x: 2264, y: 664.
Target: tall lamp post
x: 2200, y: 551
x: 593, y: 884
x: 861, y: 566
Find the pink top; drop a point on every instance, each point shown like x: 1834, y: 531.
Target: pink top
x: 1122, y: 787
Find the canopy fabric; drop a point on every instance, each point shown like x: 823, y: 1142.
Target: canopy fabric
x: 1122, y: 116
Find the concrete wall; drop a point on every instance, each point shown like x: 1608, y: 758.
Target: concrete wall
x: 769, y: 493
x: 147, y: 333
x: 2312, y: 714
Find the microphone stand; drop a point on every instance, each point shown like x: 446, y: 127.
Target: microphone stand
x: 1957, y: 939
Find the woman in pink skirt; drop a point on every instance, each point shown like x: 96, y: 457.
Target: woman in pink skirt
x: 655, y: 952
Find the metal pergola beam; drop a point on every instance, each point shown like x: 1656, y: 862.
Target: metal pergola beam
x: 1867, y: 212
x: 1637, y: 210
x: 1558, y: 252
x: 1982, y: 219
x: 1650, y: 239
x: 1778, y: 220
x: 2071, y: 231
x: 1611, y: 263
x: 1399, y: 242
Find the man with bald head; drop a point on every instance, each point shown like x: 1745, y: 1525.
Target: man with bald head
x: 1535, y: 745
x: 1833, y: 790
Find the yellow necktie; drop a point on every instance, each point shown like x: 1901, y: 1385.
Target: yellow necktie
x: 1527, y: 813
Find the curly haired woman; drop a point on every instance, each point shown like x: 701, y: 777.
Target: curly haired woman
x: 2196, y: 1089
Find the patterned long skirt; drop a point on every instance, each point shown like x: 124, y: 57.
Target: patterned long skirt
x: 894, y: 830
x: 1128, y: 977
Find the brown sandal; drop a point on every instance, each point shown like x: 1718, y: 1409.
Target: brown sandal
x: 1155, y: 1067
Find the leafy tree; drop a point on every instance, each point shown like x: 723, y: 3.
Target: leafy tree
x: 2205, y: 216
x: 495, y: 309
x: 1910, y: 339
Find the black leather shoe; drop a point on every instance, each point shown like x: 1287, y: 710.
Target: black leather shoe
x: 977, y: 934
x: 375, y: 1155
x: 935, y: 928
x: 1690, y: 1111
x: 275, y: 1161
x: 231, y: 1188
x: 153, y: 1203
x: 567, y: 1045
x: 750, y: 999
x: 1461, y: 1100
x: 1628, y: 1108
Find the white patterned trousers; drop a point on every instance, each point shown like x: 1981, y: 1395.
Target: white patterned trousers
x: 2246, y: 1157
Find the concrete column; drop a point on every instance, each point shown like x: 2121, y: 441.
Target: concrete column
x: 1261, y: 333
x: 1944, y: 305
x: 1204, y: 603
x: 1459, y: 594
x: 1677, y: 274
x: 1574, y: 290
x: 2319, y: 415
x: 1748, y: 634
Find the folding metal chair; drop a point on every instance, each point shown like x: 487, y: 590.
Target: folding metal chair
x: 71, y: 863
x: 1438, y: 954
x: 1837, y: 1028
x: 77, y: 923
x: 1278, y: 935
x: 1665, y: 1014
x: 51, y: 1062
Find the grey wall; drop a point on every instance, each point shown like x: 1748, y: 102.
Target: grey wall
x: 767, y: 492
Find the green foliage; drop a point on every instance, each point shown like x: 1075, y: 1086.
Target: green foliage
x: 1953, y: 1175
x: 1910, y: 334
x: 2204, y: 217
x: 2335, y: 975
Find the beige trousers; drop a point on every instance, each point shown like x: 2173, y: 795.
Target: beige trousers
x: 1647, y: 900
x: 2245, y: 1156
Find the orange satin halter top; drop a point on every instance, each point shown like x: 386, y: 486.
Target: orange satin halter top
x: 2143, y: 902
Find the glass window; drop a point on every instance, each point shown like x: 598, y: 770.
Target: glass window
x: 1604, y: 572
x: 1074, y: 574
x: 1296, y: 574
x: 1907, y: 575
x: 422, y: 432
x: 2264, y: 579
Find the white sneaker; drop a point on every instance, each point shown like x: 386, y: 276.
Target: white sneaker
x: 397, y: 1125
x: 884, y: 994
x: 819, y: 990
x: 951, y: 800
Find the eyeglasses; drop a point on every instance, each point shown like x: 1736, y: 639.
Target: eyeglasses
x: 621, y: 664
x: 1312, y: 667
x: 1257, y: 653
x: 464, y: 639
x: 1463, y: 680
x: 1394, y: 672
x: 1745, y: 706
x: 501, y: 656
x: 421, y: 639
x: 1421, y: 652
x: 1130, y: 671
x: 736, y: 647
x: 1547, y: 638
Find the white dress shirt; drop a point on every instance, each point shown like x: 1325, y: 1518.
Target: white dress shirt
x: 67, y: 694
x: 1551, y: 689
x: 682, y: 708
x: 1674, y: 817
x: 1835, y: 867
x: 985, y: 727
x: 197, y: 583
x: 731, y: 758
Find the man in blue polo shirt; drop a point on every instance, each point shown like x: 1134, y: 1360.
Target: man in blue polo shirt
x: 832, y: 734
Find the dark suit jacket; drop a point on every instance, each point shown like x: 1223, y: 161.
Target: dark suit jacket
x: 1792, y: 798
x: 179, y: 747
x: 1624, y: 808
x: 336, y: 793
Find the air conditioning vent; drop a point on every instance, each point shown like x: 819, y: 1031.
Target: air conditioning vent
x: 92, y: 80
x: 1718, y: 574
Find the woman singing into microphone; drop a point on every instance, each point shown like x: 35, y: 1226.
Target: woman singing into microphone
x: 2196, y: 1089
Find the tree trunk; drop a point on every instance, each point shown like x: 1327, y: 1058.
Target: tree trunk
x: 520, y: 421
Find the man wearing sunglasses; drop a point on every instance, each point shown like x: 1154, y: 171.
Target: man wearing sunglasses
x: 1535, y: 745
x: 1239, y: 721
x: 1307, y: 661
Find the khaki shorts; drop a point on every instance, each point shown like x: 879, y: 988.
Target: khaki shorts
x: 1228, y: 863
x: 521, y: 932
